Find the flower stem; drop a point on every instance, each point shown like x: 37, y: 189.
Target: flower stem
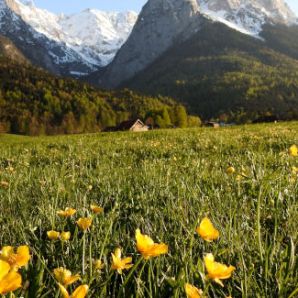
x: 133, y: 269
x: 84, y: 252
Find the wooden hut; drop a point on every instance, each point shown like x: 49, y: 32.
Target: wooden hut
x: 133, y: 125
x: 212, y: 124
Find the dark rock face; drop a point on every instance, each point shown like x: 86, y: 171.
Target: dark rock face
x: 160, y: 25
x: 36, y: 47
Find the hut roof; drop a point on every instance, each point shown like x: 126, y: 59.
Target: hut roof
x: 126, y: 125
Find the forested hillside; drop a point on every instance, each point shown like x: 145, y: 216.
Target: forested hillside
x: 34, y: 102
x: 10, y: 51
x: 224, y: 74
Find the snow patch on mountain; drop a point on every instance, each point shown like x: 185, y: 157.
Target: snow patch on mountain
x: 221, y: 16
x: 248, y: 16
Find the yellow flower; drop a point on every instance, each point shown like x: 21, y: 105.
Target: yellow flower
x: 207, y: 231
x: 217, y: 271
x: 65, y: 277
x: 10, y: 169
x: 10, y: 280
x: 68, y: 212
x: 98, y: 264
x: 120, y: 264
x: 230, y: 170
x: 148, y: 248
x: 16, y: 259
x: 192, y: 291
x: 53, y: 235
x: 295, y: 170
x: 65, y: 236
x: 80, y: 292
x: 96, y: 209
x: 4, y: 184
x: 293, y: 150
x: 84, y: 223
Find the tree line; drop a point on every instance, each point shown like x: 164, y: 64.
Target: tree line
x: 34, y: 102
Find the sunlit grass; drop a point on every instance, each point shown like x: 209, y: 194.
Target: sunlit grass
x: 163, y: 183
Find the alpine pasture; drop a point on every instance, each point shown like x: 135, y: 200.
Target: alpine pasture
x: 220, y: 207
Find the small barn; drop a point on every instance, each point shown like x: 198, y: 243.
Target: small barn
x: 133, y: 125
x: 212, y: 124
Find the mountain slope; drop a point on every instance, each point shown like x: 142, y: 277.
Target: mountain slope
x: 221, y: 71
x: 94, y: 35
x: 36, y: 47
x: 10, y: 51
x: 160, y: 25
x: 281, y: 38
x: 66, y: 45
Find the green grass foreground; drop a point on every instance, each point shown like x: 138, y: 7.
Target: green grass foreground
x: 163, y: 182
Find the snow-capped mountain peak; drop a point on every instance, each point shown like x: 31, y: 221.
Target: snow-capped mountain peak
x: 80, y: 43
x: 94, y: 35
x: 248, y: 16
x: 102, y: 32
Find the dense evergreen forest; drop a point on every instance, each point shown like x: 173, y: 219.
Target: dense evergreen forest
x: 35, y: 102
x: 222, y: 74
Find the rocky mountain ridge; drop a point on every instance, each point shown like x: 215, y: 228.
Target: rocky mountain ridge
x: 164, y: 23
x: 71, y: 45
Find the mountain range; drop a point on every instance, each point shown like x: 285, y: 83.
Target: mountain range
x: 72, y: 45
x: 218, y: 57
x: 163, y: 24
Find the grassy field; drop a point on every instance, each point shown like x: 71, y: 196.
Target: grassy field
x: 163, y: 182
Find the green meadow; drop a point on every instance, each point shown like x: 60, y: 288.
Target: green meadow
x: 164, y: 183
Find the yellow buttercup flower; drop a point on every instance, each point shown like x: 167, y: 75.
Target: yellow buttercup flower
x: 293, y: 150
x: 230, y: 170
x: 10, y: 279
x: 217, y: 271
x: 16, y: 259
x: 65, y: 276
x: 96, y: 209
x: 68, y: 212
x: 120, y: 264
x: 84, y: 223
x: 80, y: 292
x: 207, y: 231
x: 53, y: 235
x: 65, y: 236
x: 147, y: 247
x: 98, y: 264
x: 192, y: 292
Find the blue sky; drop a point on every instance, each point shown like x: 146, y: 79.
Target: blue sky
x: 70, y: 6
